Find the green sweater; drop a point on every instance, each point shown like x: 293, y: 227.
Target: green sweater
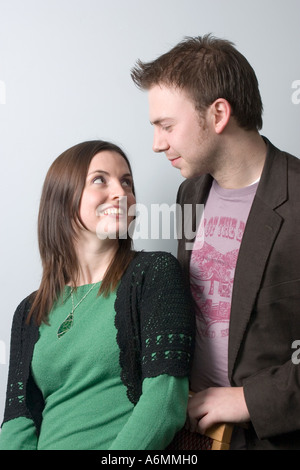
x: 86, y: 404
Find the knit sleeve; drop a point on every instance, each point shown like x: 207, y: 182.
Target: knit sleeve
x: 18, y: 434
x: 158, y: 415
x: 155, y: 321
x: 23, y: 399
x: 167, y: 321
x: 15, y: 395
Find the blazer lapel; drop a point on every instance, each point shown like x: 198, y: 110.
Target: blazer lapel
x: 260, y: 234
x: 261, y: 231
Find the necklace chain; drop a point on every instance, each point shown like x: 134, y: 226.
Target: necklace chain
x: 85, y: 295
x: 68, y: 322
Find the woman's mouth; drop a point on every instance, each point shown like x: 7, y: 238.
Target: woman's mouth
x: 112, y: 211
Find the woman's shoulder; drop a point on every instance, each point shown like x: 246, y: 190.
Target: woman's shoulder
x: 156, y: 266
x: 151, y: 256
x: 152, y: 269
x: 23, y: 308
x: 155, y: 259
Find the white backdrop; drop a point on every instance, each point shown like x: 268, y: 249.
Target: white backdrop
x: 65, y: 77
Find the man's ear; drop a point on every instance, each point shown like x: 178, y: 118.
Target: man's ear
x: 221, y: 112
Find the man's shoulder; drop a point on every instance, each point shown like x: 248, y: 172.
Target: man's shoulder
x: 277, y: 152
x: 193, y: 182
x: 192, y: 187
x: 282, y: 164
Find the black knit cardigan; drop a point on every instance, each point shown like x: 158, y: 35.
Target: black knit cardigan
x: 155, y: 333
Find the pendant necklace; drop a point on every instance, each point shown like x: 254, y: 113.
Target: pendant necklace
x: 68, y: 322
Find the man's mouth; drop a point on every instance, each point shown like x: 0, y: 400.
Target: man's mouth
x: 174, y: 160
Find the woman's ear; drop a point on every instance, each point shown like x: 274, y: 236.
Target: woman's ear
x: 221, y: 112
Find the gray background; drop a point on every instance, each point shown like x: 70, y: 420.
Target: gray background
x: 65, y: 77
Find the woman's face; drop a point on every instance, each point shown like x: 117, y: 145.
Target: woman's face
x: 107, y: 196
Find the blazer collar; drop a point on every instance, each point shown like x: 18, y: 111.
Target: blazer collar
x: 272, y: 188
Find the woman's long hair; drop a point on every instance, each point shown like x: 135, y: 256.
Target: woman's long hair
x: 59, y: 216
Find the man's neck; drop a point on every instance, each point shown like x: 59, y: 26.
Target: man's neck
x: 242, y: 161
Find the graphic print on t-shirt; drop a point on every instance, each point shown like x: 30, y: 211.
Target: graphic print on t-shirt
x: 212, y: 280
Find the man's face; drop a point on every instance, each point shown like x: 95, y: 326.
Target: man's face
x: 180, y: 132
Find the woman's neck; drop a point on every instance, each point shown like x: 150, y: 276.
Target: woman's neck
x: 93, y: 260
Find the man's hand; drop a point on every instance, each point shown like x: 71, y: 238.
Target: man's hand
x: 216, y: 405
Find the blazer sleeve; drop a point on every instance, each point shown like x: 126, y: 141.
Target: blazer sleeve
x: 272, y: 397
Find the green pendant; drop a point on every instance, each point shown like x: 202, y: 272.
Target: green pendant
x: 66, y: 325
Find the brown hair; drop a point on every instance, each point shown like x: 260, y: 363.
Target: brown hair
x: 57, y: 221
x: 207, y: 68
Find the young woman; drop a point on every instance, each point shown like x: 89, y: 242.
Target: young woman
x: 100, y: 354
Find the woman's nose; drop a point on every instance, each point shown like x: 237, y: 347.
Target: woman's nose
x: 117, y: 190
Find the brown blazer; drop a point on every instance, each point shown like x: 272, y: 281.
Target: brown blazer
x: 265, y: 311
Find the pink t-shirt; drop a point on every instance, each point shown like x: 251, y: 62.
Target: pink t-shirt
x: 212, y: 269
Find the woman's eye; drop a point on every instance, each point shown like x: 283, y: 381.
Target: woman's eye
x: 127, y: 183
x: 99, y: 180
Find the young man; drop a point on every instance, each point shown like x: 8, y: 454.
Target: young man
x: 244, y: 267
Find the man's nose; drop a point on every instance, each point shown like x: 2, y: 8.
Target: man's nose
x: 160, y: 143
